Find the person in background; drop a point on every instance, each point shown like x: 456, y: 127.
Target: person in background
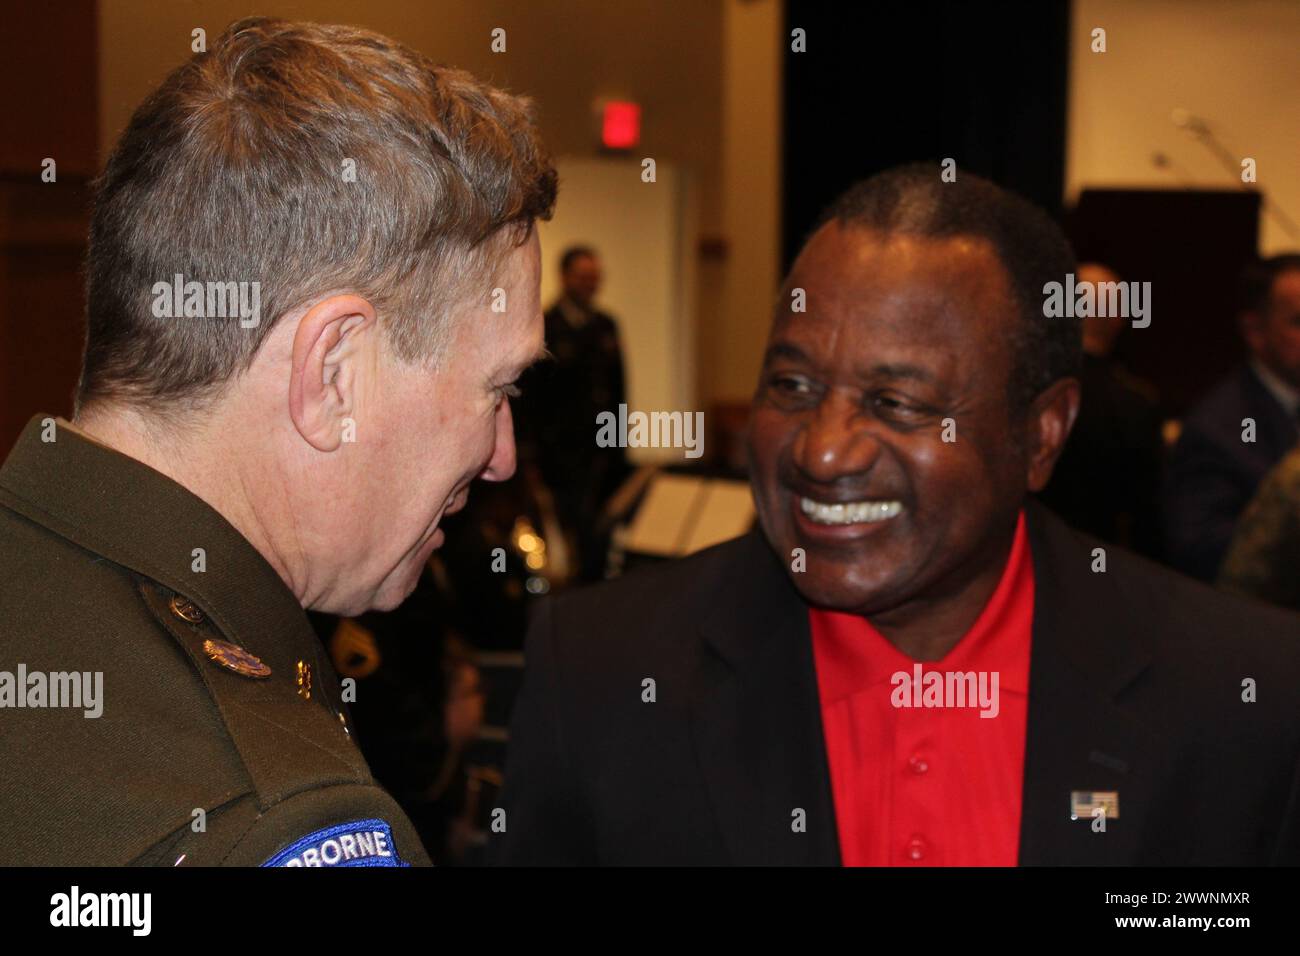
x: 1107, y: 482
x: 561, y: 399
x: 1263, y: 560
x: 1242, y: 428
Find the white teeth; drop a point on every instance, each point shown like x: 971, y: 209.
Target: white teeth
x: 854, y: 512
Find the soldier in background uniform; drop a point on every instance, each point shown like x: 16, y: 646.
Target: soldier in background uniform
x: 1263, y: 560
x: 561, y: 401
x: 290, y: 439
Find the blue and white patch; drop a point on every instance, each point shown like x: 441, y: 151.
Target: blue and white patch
x: 360, y: 843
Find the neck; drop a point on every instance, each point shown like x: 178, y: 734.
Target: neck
x: 211, y: 461
x: 928, y: 629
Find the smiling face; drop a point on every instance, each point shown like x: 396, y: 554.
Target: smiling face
x: 444, y: 428
x: 903, y: 339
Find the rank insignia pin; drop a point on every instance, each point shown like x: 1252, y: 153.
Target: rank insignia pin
x: 1084, y: 803
x: 304, y: 680
x: 234, y: 658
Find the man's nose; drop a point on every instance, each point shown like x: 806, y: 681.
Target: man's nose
x: 836, y: 440
x: 502, y: 464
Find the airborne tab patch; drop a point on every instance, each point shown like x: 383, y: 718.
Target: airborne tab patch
x: 360, y: 843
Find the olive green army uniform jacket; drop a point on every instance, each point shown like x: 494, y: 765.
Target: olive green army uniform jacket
x: 163, y: 698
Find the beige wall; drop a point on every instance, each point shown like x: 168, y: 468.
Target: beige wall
x: 751, y: 174
x: 563, y: 53
x: 1235, y: 64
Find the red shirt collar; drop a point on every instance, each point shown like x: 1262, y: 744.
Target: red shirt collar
x: 853, y: 655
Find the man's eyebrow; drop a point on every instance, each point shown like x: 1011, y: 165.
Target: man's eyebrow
x: 892, y: 370
x: 898, y: 370
x: 784, y: 350
x: 543, y: 354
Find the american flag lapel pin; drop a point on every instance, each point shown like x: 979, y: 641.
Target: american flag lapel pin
x: 1084, y: 803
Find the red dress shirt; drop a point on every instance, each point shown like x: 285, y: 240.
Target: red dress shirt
x: 929, y: 785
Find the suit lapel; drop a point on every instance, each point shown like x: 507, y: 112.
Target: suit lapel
x: 1085, y: 651
x: 756, y: 716
x: 756, y: 720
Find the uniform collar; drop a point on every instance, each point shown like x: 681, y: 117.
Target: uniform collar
x: 121, y: 509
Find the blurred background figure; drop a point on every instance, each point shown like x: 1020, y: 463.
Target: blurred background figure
x: 1242, y: 427
x: 1107, y: 481
x: 556, y: 413
x: 1263, y: 559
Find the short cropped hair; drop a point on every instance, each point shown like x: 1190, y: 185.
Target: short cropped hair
x: 1255, y: 285
x: 913, y: 200
x: 310, y: 159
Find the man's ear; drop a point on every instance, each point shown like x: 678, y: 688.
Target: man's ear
x: 334, y: 341
x: 1051, y: 416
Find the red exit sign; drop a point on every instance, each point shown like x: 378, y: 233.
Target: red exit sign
x: 620, y: 125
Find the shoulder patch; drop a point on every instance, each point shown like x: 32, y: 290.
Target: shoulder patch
x: 360, y: 843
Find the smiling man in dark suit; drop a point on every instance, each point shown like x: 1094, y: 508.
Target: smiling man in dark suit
x: 911, y: 663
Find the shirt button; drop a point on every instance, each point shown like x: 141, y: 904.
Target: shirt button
x: 916, y: 849
x: 919, y: 765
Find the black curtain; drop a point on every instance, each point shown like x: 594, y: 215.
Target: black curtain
x: 883, y: 84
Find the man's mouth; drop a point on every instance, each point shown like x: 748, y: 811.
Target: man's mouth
x: 866, y: 511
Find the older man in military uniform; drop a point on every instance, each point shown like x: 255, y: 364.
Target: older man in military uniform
x: 290, y: 439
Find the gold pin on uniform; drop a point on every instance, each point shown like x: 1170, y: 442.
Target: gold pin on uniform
x: 234, y: 658
x: 304, y: 680
x: 185, y: 609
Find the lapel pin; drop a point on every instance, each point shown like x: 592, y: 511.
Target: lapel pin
x: 234, y: 658
x: 1084, y: 803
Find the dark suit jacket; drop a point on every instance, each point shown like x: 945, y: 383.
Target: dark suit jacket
x: 1213, y: 474
x: 1135, y: 686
